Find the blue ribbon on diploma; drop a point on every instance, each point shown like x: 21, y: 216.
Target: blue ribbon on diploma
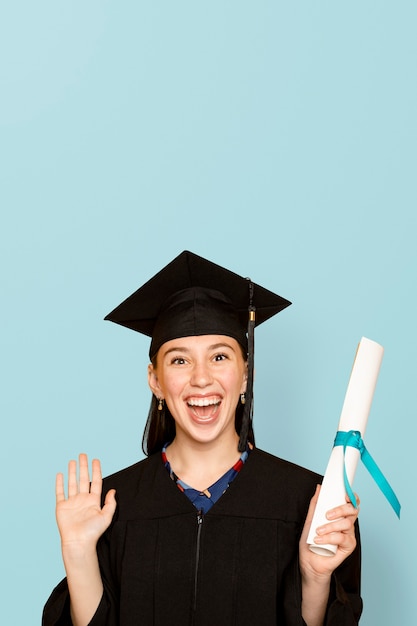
x: 353, y: 439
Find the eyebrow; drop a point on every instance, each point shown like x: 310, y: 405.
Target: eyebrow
x: 214, y: 346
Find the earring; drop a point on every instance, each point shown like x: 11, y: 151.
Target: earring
x: 242, y: 398
x: 161, y: 404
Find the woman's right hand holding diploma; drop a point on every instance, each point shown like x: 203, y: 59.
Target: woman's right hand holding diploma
x: 316, y: 570
x: 81, y: 521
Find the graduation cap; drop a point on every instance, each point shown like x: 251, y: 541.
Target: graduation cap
x: 193, y: 296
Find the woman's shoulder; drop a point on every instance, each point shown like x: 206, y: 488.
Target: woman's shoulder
x: 286, y: 470
x: 144, y: 490
x: 271, y: 488
x: 132, y: 475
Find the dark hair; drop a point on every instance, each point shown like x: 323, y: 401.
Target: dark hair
x: 160, y: 425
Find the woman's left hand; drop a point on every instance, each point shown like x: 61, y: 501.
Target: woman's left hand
x: 339, y: 531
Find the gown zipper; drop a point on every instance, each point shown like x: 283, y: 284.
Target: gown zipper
x: 197, y: 557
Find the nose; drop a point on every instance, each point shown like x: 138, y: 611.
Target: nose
x: 201, y: 375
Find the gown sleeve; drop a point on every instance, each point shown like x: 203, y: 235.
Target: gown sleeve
x: 57, y: 608
x: 344, y: 606
x: 345, y: 602
x: 56, y: 611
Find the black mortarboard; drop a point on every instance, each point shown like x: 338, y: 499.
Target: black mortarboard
x: 193, y: 296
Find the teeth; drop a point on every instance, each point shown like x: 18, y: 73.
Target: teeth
x: 203, y: 402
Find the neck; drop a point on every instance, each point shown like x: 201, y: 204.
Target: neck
x: 201, y: 464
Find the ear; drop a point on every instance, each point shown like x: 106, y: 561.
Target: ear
x: 245, y: 379
x: 153, y: 382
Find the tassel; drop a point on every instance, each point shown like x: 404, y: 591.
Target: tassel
x: 246, y: 426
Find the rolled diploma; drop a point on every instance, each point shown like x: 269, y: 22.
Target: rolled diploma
x: 354, y: 416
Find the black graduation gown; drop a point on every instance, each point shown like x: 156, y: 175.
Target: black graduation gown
x: 162, y: 564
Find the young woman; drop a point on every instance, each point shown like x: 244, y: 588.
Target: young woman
x: 208, y: 529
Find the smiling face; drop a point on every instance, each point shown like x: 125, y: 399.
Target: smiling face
x: 201, y: 379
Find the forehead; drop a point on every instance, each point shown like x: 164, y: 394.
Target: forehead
x: 200, y: 342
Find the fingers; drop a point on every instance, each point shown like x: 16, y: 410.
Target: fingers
x: 310, y: 512
x: 72, y: 479
x: 313, y: 502
x: 358, y: 501
x: 96, y: 481
x: 342, y: 525
x: 59, y: 488
x: 341, y: 531
x: 344, y: 539
x: 344, y: 510
x: 341, y: 522
x: 110, y: 504
x: 80, y: 484
x: 84, y: 478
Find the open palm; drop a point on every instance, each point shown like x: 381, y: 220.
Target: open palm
x: 80, y: 517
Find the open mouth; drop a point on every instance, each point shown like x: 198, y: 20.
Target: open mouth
x: 204, y: 408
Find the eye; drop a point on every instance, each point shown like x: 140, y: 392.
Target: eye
x: 178, y: 360
x: 220, y: 357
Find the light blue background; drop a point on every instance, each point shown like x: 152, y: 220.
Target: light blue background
x: 278, y: 139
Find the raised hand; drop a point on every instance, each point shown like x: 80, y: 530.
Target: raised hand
x: 80, y: 517
x: 81, y: 521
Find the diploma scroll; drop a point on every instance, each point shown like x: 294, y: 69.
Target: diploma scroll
x: 354, y: 417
